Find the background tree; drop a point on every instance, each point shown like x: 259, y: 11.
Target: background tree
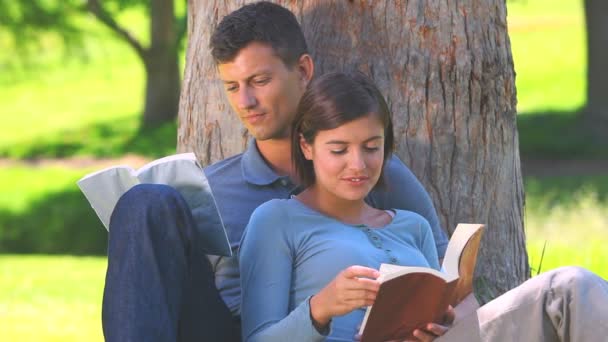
x: 27, y: 19
x: 447, y: 71
x: 596, y: 111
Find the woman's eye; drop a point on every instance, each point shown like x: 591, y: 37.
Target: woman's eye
x: 338, y: 151
x: 371, y: 149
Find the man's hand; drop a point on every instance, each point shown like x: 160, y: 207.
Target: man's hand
x: 351, y: 289
x: 433, y: 330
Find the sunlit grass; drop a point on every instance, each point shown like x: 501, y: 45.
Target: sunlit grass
x: 51, y: 298
x: 548, y: 43
x: 23, y: 185
x: 571, y: 224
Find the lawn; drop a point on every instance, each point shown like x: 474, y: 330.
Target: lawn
x: 51, y: 298
x: 90, y: 106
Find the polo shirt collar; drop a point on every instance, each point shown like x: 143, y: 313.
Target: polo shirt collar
x: 255, y: 169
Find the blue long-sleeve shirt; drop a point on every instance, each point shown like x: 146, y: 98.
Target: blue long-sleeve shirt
x: 289, y: 252
x: 242, y: 182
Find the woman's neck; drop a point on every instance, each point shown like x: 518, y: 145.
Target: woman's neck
x: 347, y: 211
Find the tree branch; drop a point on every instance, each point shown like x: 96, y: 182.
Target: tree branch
x: 106, y: 18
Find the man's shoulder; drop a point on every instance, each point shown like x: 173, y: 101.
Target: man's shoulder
x: 394, y: 166
x: 221, y: 167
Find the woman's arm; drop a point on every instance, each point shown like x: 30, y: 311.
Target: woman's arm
x: 265, y: 262
x: 427, y: 244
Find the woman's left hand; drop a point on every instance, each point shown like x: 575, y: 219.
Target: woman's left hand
x: 433, y: 330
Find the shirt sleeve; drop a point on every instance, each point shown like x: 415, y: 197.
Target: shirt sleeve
x: 427, y: 245
x: 265, y: 262
x: 404, y: 191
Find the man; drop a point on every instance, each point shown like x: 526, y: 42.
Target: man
x: 159, y: 287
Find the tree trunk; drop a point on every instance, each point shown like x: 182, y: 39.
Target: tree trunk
x: 162, y: 67
x: 447, y: 72
x: 596, y: 111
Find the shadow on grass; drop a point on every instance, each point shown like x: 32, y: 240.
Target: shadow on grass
x: 58, y: 223
x: 558, y: 135
x: 105, y: 139
x: 566, y: 191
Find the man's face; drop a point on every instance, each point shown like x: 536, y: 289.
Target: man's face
x: 263, y: 91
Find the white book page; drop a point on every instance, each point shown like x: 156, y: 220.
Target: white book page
x: 389, y: 271
x: 183, y: 173
x: 103, y: 189
x: 459, y: 239
x: 180, y: 156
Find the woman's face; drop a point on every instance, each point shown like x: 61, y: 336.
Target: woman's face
x: 348, y: 159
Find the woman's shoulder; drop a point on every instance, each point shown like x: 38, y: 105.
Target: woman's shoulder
x: 270, y: 210
x: 410, y: 218
x: 275, y: 211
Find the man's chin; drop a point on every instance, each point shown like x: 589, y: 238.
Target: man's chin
x: 266, y: 136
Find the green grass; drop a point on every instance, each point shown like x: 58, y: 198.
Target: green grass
x: 60, y: 101
x: 42, y: 210
x: 51, y: 298
x: 568, y: 217
x: 548, y: 43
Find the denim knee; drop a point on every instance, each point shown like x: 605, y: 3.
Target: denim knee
x: 143, y: 201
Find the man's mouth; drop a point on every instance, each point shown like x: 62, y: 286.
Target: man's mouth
x: 253, y: 118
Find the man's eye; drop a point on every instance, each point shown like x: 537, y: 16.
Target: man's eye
x: 231, y: 89
x: 261, y: 81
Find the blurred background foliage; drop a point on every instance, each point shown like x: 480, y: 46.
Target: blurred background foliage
x: 72, y: 101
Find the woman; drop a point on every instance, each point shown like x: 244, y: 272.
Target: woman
x: 312, y: 260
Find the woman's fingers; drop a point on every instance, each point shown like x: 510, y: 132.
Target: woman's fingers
x: 360, y: 271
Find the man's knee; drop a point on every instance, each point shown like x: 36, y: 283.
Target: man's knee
x: 148, y: 194
x: 573, y: 278
x: 142, y: 202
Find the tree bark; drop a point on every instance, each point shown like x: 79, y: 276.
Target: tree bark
x: 596, y: 111
x: 162, y: 66
x: 447, y: 71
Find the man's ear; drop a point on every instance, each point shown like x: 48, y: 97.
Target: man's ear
x: 306, y: 148
x: 306, y: 67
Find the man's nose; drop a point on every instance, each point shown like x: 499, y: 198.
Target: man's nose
x: 246, y: 99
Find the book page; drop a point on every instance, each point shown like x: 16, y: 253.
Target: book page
x: 458, y: 241
x: 390, y: 271
x: 103, y: 189
x: 168, y: 159
x: 183, y: 173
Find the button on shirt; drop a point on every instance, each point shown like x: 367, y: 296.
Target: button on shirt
x: 243, y: 182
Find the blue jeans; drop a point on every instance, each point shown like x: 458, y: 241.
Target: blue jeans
x: 159, y: 286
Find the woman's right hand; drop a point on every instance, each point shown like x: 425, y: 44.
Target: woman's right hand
x: 351, y: 289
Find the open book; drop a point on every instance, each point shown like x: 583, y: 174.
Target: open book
x: 410, y: 297
x: 180, y: 171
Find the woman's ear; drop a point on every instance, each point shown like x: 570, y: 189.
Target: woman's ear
x: 305, y: 147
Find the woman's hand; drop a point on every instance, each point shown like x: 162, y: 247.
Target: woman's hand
x: 433, y: 330
x: 351, y: 289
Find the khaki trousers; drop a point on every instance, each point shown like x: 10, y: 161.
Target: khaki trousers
x: 566, y: 304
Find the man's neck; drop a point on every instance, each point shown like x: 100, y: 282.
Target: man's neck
x: 277, y: 153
